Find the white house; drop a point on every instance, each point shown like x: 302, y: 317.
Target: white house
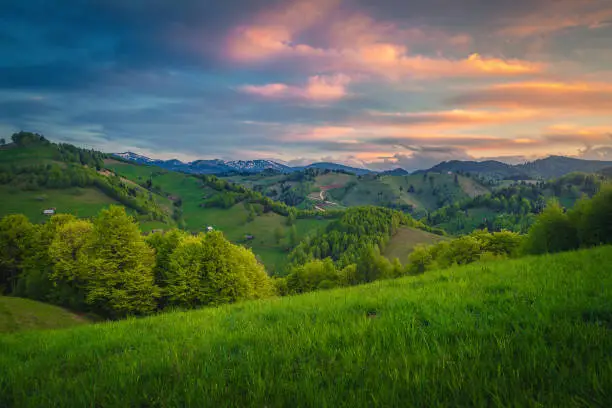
x: 209, y: 229
x: 50, y: 211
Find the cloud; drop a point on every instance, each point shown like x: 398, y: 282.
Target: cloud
x: 318, y: 88
x: 571, y: 97
x: 550, y: 17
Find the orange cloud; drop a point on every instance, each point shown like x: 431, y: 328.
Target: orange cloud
x: 449, y: 118
x: 361, y: 45
x: 318, y: 88
x: 569, y: 97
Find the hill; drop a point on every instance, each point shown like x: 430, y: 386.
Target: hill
x: 18, y: 314
x: 234, y: 220
x: 558, y: 166
x: 549, y: 168
x: 529, y: 332
x: 36, y: 175
x: 489, y: 169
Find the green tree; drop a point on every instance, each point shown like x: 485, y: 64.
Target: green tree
x: 16, y: 245
x: 209, y: 270
x: 35, y: 282
x: 279, y: 234
x: 420, y: 260
x: 293, y: 236
x: 593, y: 218
x: 553, y: 231
x: 372, y: 266
x: 120, y: 264
x: 70, y: 271
x: 317, y: 274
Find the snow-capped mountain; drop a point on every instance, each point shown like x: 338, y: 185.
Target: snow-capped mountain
x: 134, y: 157
x: 217, y: 166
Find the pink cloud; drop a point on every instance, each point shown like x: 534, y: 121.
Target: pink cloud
x: 361, y: 45
x: 318, y: 88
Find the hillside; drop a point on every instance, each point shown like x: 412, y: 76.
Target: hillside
x: 529, y: 332
x: 36, y: 175
x: 18, y: 314
x: 548, y: 168
x: 233, y: 221
x: 489, y: 168
x: 405, y: 240
x: 558, y: 166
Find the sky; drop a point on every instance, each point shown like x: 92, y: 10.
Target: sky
x: 378, y: 84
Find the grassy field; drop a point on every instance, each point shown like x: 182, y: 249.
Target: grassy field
x: 535, y: 332
x: 11, y: 154
x: 82, y: 202
x: 18, y: 314
x: 403, y: 243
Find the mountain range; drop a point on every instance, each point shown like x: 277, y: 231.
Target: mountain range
x: 218, y: 166
x: 547, y: 168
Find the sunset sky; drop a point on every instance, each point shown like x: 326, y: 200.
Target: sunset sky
x: 381, y: 84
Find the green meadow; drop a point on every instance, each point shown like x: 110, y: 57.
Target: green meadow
x: 18, y: 314
x: 533, y: 332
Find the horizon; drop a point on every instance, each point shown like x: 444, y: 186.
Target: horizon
x: 377, y: 86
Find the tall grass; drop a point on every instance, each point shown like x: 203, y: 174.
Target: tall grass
x: 531, y: 332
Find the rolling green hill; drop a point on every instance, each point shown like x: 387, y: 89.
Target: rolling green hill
x: 528, y: 332
x: 18, y: 314
x: 233, y: 222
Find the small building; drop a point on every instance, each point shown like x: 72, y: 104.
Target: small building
x: 249, y: 237
x: 49, y: 212
x: 449, y: 173
x: 209, y: 229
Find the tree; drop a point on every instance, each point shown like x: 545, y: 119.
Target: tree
x: 291, y: 217
x: 70, y: 271
x: 593, y: 218
x: 419, y: 260
x: 16, y: 242
x: 553, y: 231
x: 317, y: 274
x: 35, y: 280
x: 164, y: 245
x: 293, y: 236
x: 2, y: 141
x: 120, y: 265
x: 209, y: 270
x: 372, y: 266
x: 279, y: 234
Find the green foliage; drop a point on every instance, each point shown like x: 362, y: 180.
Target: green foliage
x: 420, y: 260
x: 553, y: 231
x: 120, y: 266
x: 69, y: 272
x: 16, y: 245
x: 464, y: 250
x: 209, y: 270
x: 317, y: 274
x: 356, y: 232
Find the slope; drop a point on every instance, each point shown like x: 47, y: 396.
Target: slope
x: 233, y: 221
x: 529, y: 332
x: 44, y: 175
x: 405, y: 240
x: 18, y: 314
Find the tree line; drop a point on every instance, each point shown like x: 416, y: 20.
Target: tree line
x: 105, y: 266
